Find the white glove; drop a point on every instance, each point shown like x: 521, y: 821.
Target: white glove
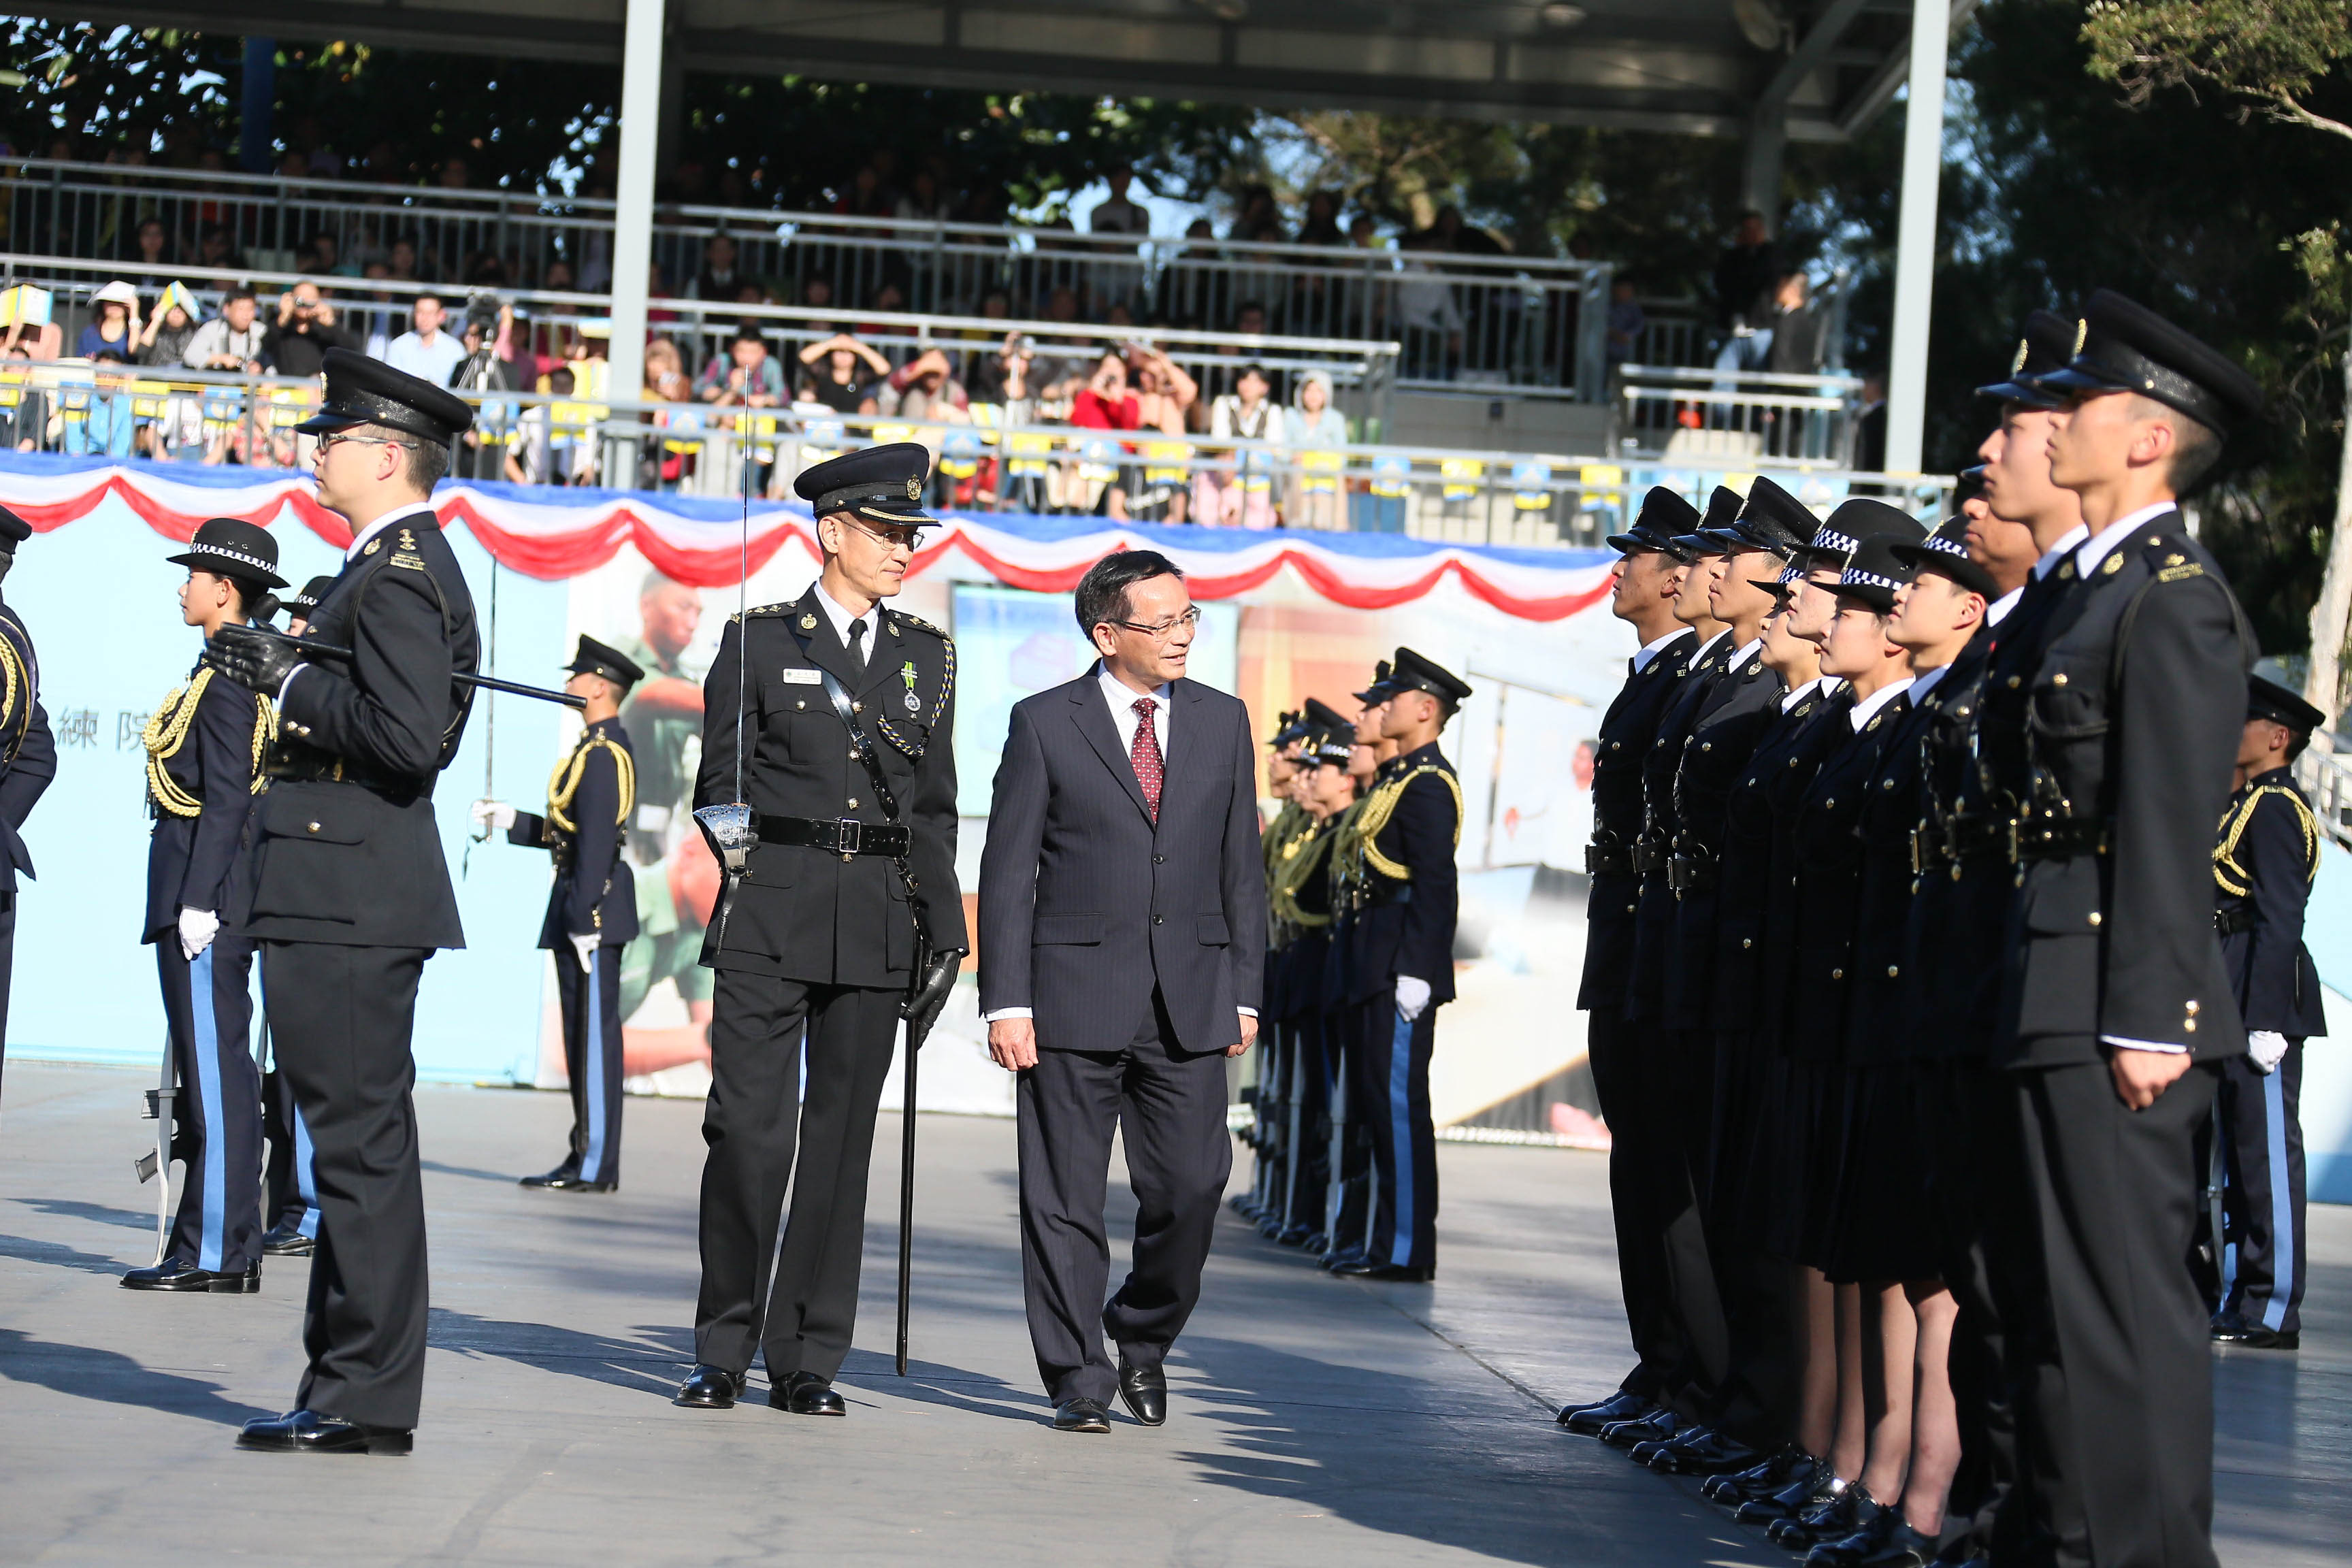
x: 492, y: 815
x: 2266, y: 1046
x: 198, y: 927
x: 585, y: 944
x: 1412, y: 997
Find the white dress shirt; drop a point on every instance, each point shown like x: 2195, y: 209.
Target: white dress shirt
x: 1925, y: 682
x: 1864, y: 707
x: 1998, y: 611
x: 1824, y: 684
x: 1741, y: 655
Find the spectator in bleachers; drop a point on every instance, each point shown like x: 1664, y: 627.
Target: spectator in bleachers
x: 745, y: 376
x: 832, y: 364
x: 1626, y: 322
x: 110, y: 427
x: 325, y: 258
x: 1313, y: 429
x: 169, y: 327
x: 230, y: 340
x: 424, y: 349
x: 1116, y: 214
x: 1105, y: 402
x: 718, y: 279
x: 924, y: 389
x: 665, y: 378
x: 116, y: 325
x: 1240, y: 494
x: 866, y: 195
x: 1260, y: 222
x: 540, y: 455
x: 297, y: 341
x: 1428, y: 318
x: 215, y: 249
x: 1322, y: 225
x: 1161, y: 486
x: 400, y: 262
x: 924, y: 201
x: 1799, y: 332
x: 1002, y: 378
x: 1746, y: 274
x: 154, y: 244
x: 816, y: 294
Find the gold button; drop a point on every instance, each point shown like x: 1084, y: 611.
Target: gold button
x: 2013, y: 682
x: 1707, y: 745
x: 857, y: 708
x: 1837, y: 974
x: 2059, y: 678
x: 852, y: 753
x: 1745, y: 942
x: 311, y: 827
x: 2190, y: 1008
x: 2096, y: 917
x: 1832, y: 801
x: 1891, y: 971
x: 2188, y: 1025
x: 1629, y: 909
x: 853, y: 800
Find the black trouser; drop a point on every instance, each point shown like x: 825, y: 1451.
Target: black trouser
x: 1654, y: 1140
x: 592, y: 1060
x: 760, y: 1028
x: 1761, y: 1295
x: 208, y: 1007
x: 1307, y: 1194
x: 1170, y: 1108
x: 2262, y: 1189
x: 1613, y: 1046
x: 289, y: 1198
x: 2126, y: 1391
x: 1349, y: 1202
x: 340, y: 1019
x: 1393, y: 1080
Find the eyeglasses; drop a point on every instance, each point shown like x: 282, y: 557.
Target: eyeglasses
x: 336, y: 438
x: 910, y: 538
x: 1162, y: 630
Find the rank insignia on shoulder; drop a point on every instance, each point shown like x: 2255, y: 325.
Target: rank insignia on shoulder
x: 917, y: 622
x: 2175, y: 559
x: 2180, y: 574
x: 407, y: 539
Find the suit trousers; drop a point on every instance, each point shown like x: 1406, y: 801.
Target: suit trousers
x: 2262, y: 1189
x: 592, y: 1059
x: 1612, y: 1047
x: 760, y: 1029
x: 208, y: 1007
x: 2125, y: 1393
x: 340, y: 1019
x: 1393, y: 1080
x: 1168, y: 1107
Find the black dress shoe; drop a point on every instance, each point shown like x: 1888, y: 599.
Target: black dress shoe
x: 806, y: 1393
x: 2233, y: 1329
x: 308, y: 1432
x: 1711, y: 1453
x: 708, y: 1387
x: 1655, y: 1428
x: 1815, y: 1487
x: 1346, y: 1258
x: 1317, y: 1244
x: 1833, y: 1521
x: 1398, y: 1273
x: 1871, y: 1525
x: 287, y: 1241
x: 1586, y: 1420
x: 1080, y: 1415
x: 179, y: 1274
x: 566, y: 1178
x: 1904, y: 1547
x: 1762, y: 1478
x: 1144, y: 1391
x: 1294, y: 1236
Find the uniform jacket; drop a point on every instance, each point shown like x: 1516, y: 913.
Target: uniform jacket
x: 29, y: 751
x: 1756, y: 903
x: 1298, y: 901
x: 1952, y: 933
x: 2263, y: 868
x: 205, y: 741
x: 1407, y: 928
x: 1086, y: 903
x: 803, y: 913
x: 1738, y: 712
x: 1653, y: 914
x: 2133, y: 727
x: 588, y: 804
x: 1879, y: 1004
x: 1827, y: 880
x: 1626, y: 731
x: 360, y: 861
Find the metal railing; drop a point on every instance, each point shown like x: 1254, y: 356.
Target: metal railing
x: 2324, y: 770
x: 1677, y: 412
x: 1513, y: 321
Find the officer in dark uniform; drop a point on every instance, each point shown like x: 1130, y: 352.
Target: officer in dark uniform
x: 1642, y: 593
x: 1348, y: 1210
x: 592, y: 910
x: 2263, y: 866
x: 1405, y: 838
x: 847, y: 903
x: 352, y: 894
x: 1266, y: 1201
x: 2118, y: 1012
x: 298, y: 604
x: 28, y: 754
x: 1300, y: 901
x: 204, y: 744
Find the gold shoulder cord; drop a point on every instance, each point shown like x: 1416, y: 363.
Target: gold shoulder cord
x: 1296, y: 868
x: 166, y: 732
x: 11, y: 679
x: 947, y: 690
x: 2232, y: 878
x: 1381, y: 804
x: 265, y: 730
x: 564, y: 783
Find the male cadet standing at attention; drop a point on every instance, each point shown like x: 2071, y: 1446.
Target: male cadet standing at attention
x: 352, y: 894
x: 592, y: 910
x: 2118, y: 1011
x: 1642, y: 594
x: 28, y: 754
x: 845, y: 716
x: 1405, y: 838
x: 204, y: 745
x: 2263, y: 866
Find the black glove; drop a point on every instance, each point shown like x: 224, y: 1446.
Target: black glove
x: 930, y: 993
x: 256, y: 660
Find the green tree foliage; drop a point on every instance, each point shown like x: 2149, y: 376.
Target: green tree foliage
x: 2275, y: 54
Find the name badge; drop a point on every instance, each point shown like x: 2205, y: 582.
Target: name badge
x: 803, y: 678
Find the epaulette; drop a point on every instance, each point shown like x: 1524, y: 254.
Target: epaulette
x: 2168, y: 558
x: 900, y: 618
x: 759, y: 610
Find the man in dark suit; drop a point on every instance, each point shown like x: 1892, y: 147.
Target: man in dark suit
x: 28, y: 754
x: 833, y: 717
x: 591, y: 909
x: 351, y: 893
x: 1122, y: 908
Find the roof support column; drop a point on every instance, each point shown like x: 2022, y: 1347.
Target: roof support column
x: 1915, y: 236
x: 641, y: 85
x: 1768, y: 146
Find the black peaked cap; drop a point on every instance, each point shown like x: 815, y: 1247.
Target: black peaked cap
x: 2266, y: 699
x: 1835, y: 541
x: 2046, y: 345
x: 1321, y: 715
x: 364, y: 390
x: 2121, y: 345
x: 597, y: 659
x: 1664, y: 514
x: 881, y: 484
x: 1414, y: 672
x: 1875, y: 572
x: 1382, y: 688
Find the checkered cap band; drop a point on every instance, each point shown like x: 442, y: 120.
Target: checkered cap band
x: 1829, y: 537
x: 1943, y: 546
x: 1855, y: 577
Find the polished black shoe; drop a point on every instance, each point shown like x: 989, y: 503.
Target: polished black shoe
x: 708, y: 1387
x: 566, y: 1178
x: 1833, y: 1521
x: 308, y: 1432
x: 1316, y: 1246
x: 1815, y: 1487
x: 179, y: 1274
x: 1684, y: 1433
x: 806, y: 1393
x: 1240, y: 1202
x: 2231, y: 1330
x: 1144, y: 1391
x: 1655, y: 1428
x: 1080, y: 1415
x: 1345, y: 1258
x: 1293, y: 1235
x: 1872, y: 1526
x: 1904, y: 1547
x: 1393, y: 1273
x: 1586, y: 1420
x: 1732, y: 1488
x: 1712, y: 1454
x: 287, y: 1241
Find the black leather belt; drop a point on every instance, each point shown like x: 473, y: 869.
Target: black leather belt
x: 1650, y: 855
x: 1690, y: 873
x: 1608, y: 860
x: 2056, y: 838
x: 2231, y: 918
x: 1953, y: 839
x: 335, y: 770
x: 843, y: 835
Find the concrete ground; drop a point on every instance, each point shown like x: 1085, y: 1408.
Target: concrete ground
x: 1313, y: 1420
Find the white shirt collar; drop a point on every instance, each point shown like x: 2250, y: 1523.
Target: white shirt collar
x: 2057, y: 553
x: 2000, y: 608
x: 1700, y: 652
x: 1807, y: 690
x: 1924, y: 681
x: 1742, y: 655
x: 841, y: 618
x: 2103, y: 543
x: 1867, y: 707
x: 1650, y: 650
x: 1123, y: 697
x: 360, y: 539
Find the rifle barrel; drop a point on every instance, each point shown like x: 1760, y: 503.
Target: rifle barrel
x: 487, y: 682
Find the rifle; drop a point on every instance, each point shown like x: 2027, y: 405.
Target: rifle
x: 484, y: 683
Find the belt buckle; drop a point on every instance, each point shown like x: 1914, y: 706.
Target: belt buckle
x: 850, y: 834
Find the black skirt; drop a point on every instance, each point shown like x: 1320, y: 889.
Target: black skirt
x: 1882, y: 1227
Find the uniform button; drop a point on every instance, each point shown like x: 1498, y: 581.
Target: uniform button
x: 853, y: 800
x: 1892, y: 970
x: 802, y: 703
x: 1831, y: 802
x: 2013, y: 682
x: 1707, y: 745
x: 1157, y: 859
x: 1158, y: 920
x: 1745, y: 942
x: 2188, y: 1025
x: 1837, y: 974
x: 852, y: 753
x: 1629, y: 909
x: 2095, y: 917
x: 2190, y: 1008
x: 1886, y: 783
x: 2059, y: 678
x: 311, y: 827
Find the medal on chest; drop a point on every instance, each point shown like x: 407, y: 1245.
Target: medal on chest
x: 907, y: 674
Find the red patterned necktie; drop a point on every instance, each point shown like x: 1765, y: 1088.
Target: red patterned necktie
x: 1145, y: 755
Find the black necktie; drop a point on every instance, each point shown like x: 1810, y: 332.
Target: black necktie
x: 857, y: 644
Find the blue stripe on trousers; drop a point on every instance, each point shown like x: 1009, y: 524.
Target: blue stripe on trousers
x: 2281, y: 1199
x: 1400, y: 1131
x: 306, y: 1180
x: 214, y: 1176
x: 591, y: 1003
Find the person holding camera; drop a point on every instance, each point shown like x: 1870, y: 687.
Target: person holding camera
x: 296, y: 343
